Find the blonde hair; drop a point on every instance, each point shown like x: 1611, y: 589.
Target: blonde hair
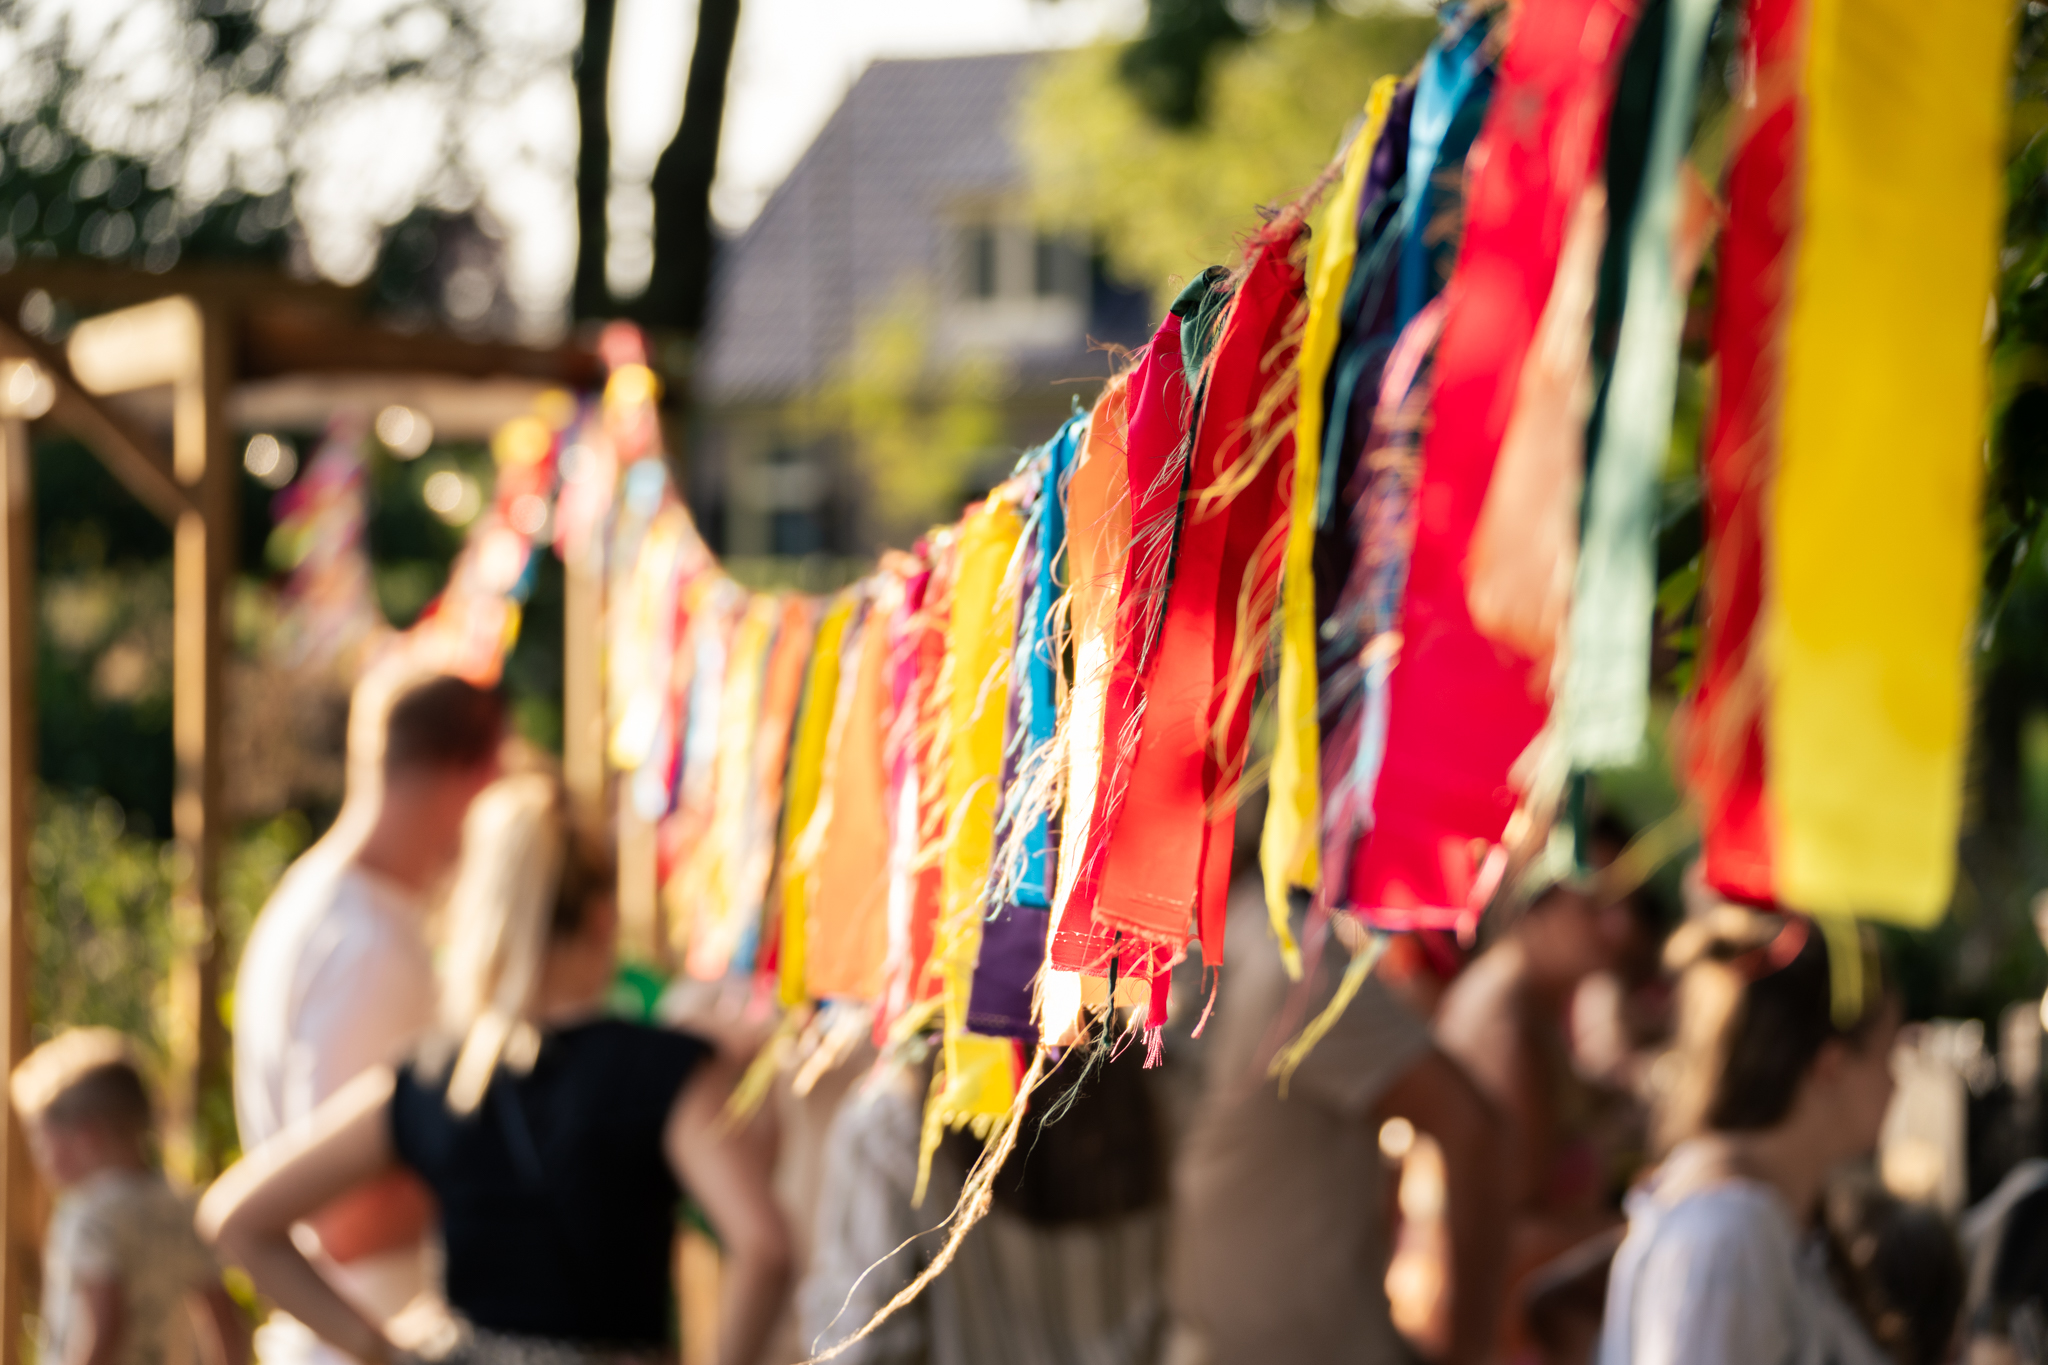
x: 83, y: 1075
x: 525, y: 878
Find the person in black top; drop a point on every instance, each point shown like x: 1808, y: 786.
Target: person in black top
x: 556, y: 1140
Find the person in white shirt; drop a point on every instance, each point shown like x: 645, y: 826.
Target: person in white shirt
x: 338, y: 976
x: 1771, y: 1090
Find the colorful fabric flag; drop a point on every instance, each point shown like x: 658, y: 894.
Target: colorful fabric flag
x: 801, y: 791
x: 1288, y: 852
x: 843, y: 855
x: 1873, y: 513
x: 1155, y: 466
x: 1605, y: 701
x: 1462, y: 709
x: 979, y: 632
x: 1167, y: 870
x: 1021, y: 879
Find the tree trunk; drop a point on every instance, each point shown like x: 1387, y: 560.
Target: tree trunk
x: 679, y: 288
x: 589, y: 297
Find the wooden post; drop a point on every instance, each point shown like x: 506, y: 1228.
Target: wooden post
x: 583, y: 684
x: 178, y: 342
x: 203, y: 573
x: 643, y: 932
x: 17, y: 823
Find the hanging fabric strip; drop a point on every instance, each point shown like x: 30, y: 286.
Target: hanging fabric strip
x: 1874, y: 516
x: 1167, y: 868
x: 1454, y: 68
x: 707, y: 643
x: 781, y: 694
x: 1721, y: 734
x: 1525, y: 546
x: 806, y: 777
x: 1366, y: 325
x: 1021, y: 882
x: 847, y: 868
x: 1013, y: 934
x: 1099, y: 543
x: 916, y: 756
x: 1155, y: 460
x: 1462, y: 709
x: 703, y: 903
x: 1381, y: 390
x: 1605, y: 703
x: 1364, y: 626
x: 1287, y: 844
x: 979, y: 633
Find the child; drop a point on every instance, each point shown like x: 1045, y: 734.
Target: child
x: 121, y: 1255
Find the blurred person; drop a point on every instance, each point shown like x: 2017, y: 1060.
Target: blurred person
x: 1419, y: 967
x: 1067, y: 1264
x: 1505, y: 1020
x: 1281, y: 1220
x: 338, y: 977
x: 1621, y: 1015
x: 2005, y: 1311
x: 1724, y: 1262
x: 1897, y: 1263
x: 120, y: 1260
x: 556, y: 1140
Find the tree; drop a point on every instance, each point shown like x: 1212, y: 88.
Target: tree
x: 1165, y: 199
x: 589, y: 297
x: 684, y: 242
x: 678, y: 287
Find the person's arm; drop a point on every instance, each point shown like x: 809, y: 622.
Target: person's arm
x: 369, y: 1003
x: 105, y: 1321
x: 724, y: 1169
x: 389, y: 1213
x: 1437, y: 1097
x: 249, y: 1212
x: 221, y: 1326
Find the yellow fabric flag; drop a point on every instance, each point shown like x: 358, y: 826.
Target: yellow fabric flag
x: 806, y: 775
x: 978, y: 1081
x: 701, y: 896
x: 1873, y: 517
x: 1288, y: 846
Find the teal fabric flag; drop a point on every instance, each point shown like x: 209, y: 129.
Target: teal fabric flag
x: 1605, y: 705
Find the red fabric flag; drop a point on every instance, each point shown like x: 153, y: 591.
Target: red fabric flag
x: 1462, y: 709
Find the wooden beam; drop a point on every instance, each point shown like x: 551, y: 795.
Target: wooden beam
x: 129, y: 455
x: 18, y: 1232
x: 281, y: 339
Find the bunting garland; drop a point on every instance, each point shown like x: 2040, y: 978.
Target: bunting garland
x: 1394, y: 478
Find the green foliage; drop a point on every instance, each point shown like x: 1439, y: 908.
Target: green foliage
x: 101, y: 934
x: 2017, y: 492
x: 924, y: 433
x: 1165, y: 201
x: 1166, y: 67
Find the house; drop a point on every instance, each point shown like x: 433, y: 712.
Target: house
x: 898, y: 262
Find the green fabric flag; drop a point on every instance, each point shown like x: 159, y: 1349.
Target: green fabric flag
x: 1605, y: 705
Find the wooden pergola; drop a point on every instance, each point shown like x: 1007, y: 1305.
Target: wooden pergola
x: 205, y: 354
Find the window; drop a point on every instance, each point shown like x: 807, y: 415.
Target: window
x: 795, y: 533
x: 1051, y: 261
x: 984, y: 278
